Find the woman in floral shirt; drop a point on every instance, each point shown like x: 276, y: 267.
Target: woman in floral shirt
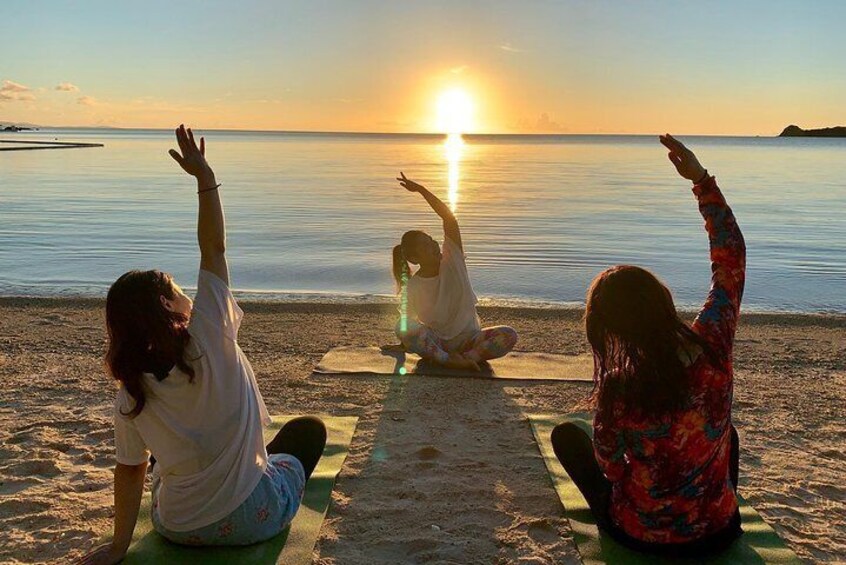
x: 661, y: 473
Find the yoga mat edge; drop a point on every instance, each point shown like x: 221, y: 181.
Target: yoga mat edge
x: 759, y: 543
x: 294, y: 546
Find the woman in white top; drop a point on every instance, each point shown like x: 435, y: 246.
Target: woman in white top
x: 188, y: 396
x: 438, y: 319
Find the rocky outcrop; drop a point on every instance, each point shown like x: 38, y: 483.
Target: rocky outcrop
x: 796, y: 131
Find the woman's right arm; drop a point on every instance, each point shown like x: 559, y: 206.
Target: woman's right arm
x: 211, y: 227
x: 451, y: 229
x: 717, y: 321
x: 129, y: 487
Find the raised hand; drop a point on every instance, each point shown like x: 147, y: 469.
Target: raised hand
x: 683, y: 159
x: 193, y: 158
x: 409, y: 185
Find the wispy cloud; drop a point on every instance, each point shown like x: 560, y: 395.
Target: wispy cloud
x: 67, y: 87
x: 511, y: 49
x: 86, y: 101
x: 15, y: 91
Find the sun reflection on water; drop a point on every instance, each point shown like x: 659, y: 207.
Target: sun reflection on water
x: 453, y: 148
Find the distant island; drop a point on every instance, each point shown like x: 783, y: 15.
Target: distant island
x: 796, y: 131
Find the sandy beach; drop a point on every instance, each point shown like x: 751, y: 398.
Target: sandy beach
x: 440, y: 470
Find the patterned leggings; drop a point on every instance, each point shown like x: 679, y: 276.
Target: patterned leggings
x: 489, y: 343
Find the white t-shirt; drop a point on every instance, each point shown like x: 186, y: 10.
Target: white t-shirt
x: 445, y: 303
x: 206, y: 434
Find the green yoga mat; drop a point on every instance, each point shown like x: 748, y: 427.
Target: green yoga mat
x: 758, y: 544
x: 294, y: 546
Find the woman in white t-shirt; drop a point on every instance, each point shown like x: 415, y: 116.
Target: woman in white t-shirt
x: 438, y: 319
x: 188, y: 396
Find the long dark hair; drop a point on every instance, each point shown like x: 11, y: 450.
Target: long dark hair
x: 637, y: 338
x: 142, y: 332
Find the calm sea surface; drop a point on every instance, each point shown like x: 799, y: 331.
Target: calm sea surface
x: 315, y: 215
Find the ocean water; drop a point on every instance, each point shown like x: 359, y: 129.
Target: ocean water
x: 314, y: 216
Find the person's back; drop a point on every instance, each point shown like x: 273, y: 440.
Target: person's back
x: 673, y: 485
x: 205, y: 428
x: 188, y: 397
x: 438, y: 318
x: 660, y: 474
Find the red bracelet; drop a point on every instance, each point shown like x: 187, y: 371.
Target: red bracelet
x: 700, y: 181
x: 215, y: 187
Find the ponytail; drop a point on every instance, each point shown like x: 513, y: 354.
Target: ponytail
x: 401, y: 274
x: 401, y: 268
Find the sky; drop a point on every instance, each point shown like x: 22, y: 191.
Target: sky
x: 581, y: 66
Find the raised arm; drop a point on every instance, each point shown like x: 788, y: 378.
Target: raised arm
x: 211, y: 227
x: 451, y: 229
x: 717, y: 321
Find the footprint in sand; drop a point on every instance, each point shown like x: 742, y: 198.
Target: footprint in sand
x: 53, y: 320
x: 39, y: 467
x: 14, y: 486
x: 12, y: 508
x: 19, y: 437
x: 428, y: 453
x: 543, y: 532
x: 60, y: 446
x: 98, y: 436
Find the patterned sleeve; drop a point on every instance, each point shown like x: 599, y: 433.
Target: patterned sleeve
x: 609, y: 445
x: 717, y: 321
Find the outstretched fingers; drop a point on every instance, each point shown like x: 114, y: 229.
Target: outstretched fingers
x: 182, y: 139
x: 177, y: 157
x: 673, y: 144
x: 193, y: 144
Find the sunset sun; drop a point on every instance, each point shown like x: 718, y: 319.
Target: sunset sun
x: 455, y: 112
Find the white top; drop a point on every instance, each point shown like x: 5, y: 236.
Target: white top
x: 445, y: 303
x: 206, y: 434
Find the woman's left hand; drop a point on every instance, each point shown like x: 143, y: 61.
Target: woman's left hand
x: 683, y: 159
x: 193, y: 158
x: 105, y: 554
x: 409, y: 185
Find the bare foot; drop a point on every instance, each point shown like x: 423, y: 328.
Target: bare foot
x: 458, y: 361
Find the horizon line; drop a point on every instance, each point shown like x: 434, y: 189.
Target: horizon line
x: 357, y: 132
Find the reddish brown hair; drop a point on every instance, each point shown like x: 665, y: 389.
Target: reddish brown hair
x: 637, y: 338
x: 142, y: 332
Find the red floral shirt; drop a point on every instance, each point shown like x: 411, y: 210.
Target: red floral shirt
x: 670, y: 476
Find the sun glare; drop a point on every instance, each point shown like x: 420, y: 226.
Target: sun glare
x: 455, y: 112
x: 453, y: 148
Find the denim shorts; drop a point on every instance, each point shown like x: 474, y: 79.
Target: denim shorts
x: 266, y: 512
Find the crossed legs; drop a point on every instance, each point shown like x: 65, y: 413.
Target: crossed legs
x: 489, y: 343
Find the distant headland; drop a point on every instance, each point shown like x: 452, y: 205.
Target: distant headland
x: 796, y: 131
x: 16, y: 128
